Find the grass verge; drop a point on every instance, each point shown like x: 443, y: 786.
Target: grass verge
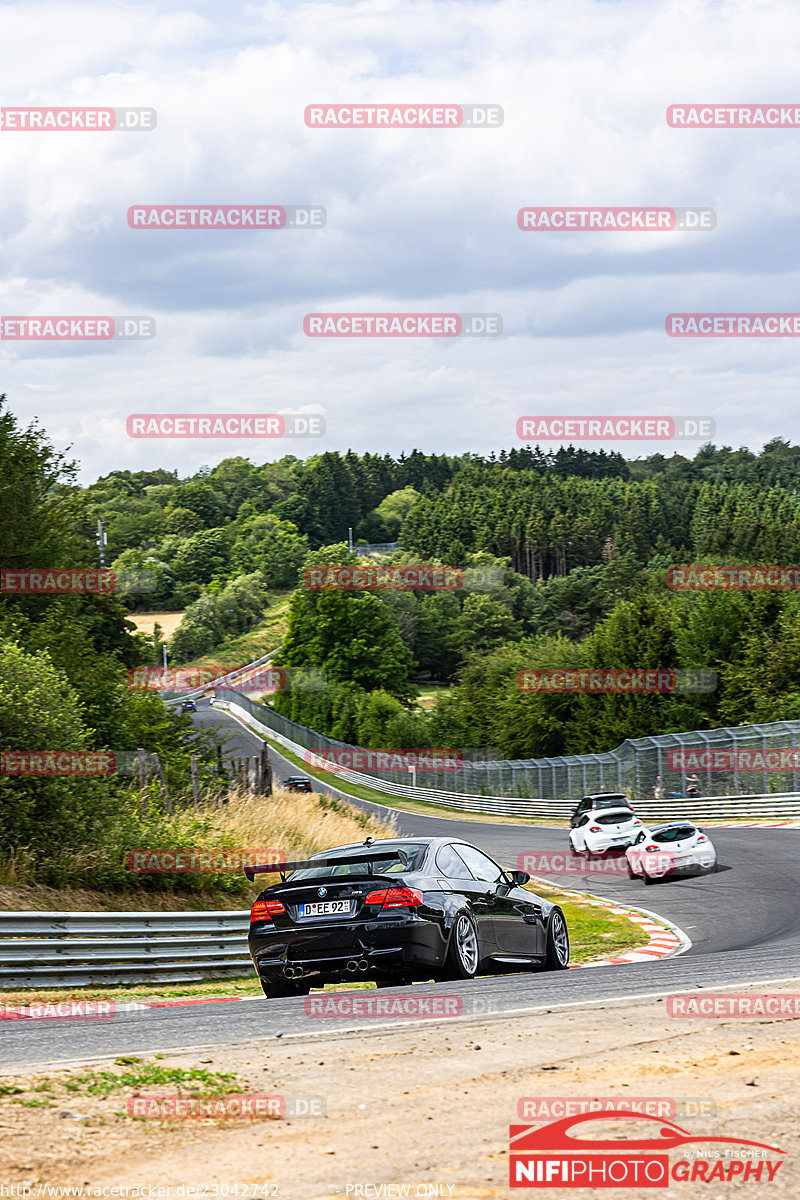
x: 593, y: 932
x: 269, y: 633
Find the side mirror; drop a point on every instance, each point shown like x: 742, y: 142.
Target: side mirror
x: 519, y: 878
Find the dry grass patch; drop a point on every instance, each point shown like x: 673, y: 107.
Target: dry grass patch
x: 296, y: 823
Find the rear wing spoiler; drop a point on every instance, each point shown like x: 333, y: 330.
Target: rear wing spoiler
x: 367, y: 857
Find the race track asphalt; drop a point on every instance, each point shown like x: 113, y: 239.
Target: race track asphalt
x: 744, y: 924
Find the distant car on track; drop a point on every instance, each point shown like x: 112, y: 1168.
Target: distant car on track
x: 675, y: 848
x: 396, y: 910
x: 596, y: 801
x: 188, y: 706
x: 298, y: 783
x: 599, y: 831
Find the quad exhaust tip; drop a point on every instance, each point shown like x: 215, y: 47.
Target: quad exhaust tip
x: 292, y: 972
x: 357, y: 964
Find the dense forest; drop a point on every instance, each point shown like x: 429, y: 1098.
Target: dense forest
x: 565, y: 560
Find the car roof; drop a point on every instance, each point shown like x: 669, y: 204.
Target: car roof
x: 605, y: 811
x: 672, y: 824
x: 431, y: 842
x: 606, y: 796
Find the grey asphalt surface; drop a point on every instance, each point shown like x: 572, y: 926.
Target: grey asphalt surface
x: 744, y: 923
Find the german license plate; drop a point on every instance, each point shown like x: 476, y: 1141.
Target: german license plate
x: 325, y: 908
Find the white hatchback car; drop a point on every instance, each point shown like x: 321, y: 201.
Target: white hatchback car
x: 606, y: 829
x: 676, y: 848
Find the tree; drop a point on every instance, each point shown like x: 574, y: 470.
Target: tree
x: 39, y: 710
x: 484, y: 624
x: 202, y: 556
x: 271, y: 546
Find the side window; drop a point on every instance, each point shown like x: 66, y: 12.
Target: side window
x: 638, y: 839
x: 480, y: 865
x: 584, y: 820
x: 449, y: 863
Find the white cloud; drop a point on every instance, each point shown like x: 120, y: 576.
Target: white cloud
x: 417, y: 220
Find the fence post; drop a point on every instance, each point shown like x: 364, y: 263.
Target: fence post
x: 142, y: 755
x: 266, y: 771
x: 156, y: 761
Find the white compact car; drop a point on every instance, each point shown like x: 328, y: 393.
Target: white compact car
x: 676, y: 848
x: 598, y: 831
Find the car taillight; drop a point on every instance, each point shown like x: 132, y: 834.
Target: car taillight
x: 395, y: 898
x: 637, y: 823
x: 702, y: 838
x: 594, y: 829
x: 652, y: 848
x: 263, y: 910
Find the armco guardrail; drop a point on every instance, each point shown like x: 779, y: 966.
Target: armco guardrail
x: 700, y: 808
x: 220, y: 680
x: 80, y: 949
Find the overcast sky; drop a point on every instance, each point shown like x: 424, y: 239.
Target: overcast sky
x: 417, y: 220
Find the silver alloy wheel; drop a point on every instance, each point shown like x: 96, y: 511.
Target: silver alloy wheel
x: 560, y: 938
x: 466, y: 944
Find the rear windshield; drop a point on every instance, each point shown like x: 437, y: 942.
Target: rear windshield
x: 614, y: 818
x: 392, y: 864
x: 676, y: 834
x: 612, y: 802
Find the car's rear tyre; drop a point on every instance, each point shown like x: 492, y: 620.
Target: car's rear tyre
x: 647, y: 878
x: 276, y: 989
x: 556, y: 956
x: 631, y: 872
x: 462, y: 952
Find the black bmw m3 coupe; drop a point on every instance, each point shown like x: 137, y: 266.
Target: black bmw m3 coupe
x: 398, y: 910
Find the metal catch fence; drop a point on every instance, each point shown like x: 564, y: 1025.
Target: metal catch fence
x: 745, y: 760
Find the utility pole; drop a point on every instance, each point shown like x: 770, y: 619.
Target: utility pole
x: 350, y: 537
x: 101, y: 542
